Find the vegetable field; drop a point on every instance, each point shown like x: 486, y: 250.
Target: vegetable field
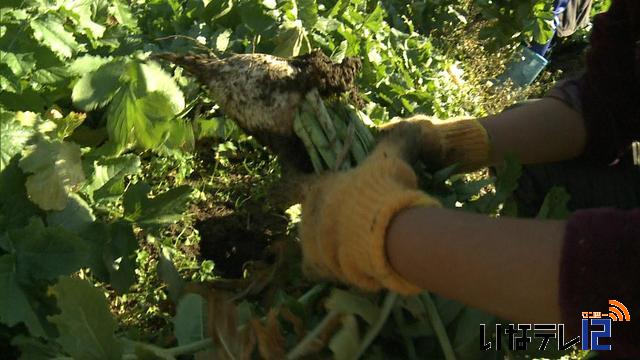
x: 138, y: 220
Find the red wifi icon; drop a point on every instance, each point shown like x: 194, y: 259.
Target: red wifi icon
x: 618, y: 312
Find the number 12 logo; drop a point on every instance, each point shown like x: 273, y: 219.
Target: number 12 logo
x: 590, y: 337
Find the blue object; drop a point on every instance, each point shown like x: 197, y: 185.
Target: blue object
x: 530, y: 61
x: 559, y: 6
x: 525, y: 68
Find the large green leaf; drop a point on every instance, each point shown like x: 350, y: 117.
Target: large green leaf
x: 107, y: 180
x: 140, y: 113
x: 56, y: 170
x: 112, y: 253
x: 75, y: 217
x: 85, y: 324
x: 46, y: 252
x: 95, y: 89
x: 51, y: 33
x: 14, y: 303
x: 157, y: 80
x: 190, y: 321
x: 82, y: 12
x: 86, y: 64
x: 165, y: 208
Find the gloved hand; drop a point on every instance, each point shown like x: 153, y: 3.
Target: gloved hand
x: 345, y: 217
x: 445, y: 142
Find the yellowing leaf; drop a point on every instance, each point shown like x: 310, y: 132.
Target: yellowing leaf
x: 56, y: 170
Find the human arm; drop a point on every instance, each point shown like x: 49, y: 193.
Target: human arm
x: 507, y: 266
x: 525, y: 270
x: 543, y: 131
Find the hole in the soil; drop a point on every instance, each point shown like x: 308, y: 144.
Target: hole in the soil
x: 230, y: 242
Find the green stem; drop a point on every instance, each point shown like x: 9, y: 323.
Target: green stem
x: 438, y: 326
x: 312, y: 294
x: 374, y: 330
x: 191, y: 348
x: 408, y: 342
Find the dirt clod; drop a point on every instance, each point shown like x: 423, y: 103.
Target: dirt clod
x: 317, y: 70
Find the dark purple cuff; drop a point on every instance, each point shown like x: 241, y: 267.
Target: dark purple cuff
x: 601, y: 261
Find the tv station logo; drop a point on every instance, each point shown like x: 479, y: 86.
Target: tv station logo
x: 596, y: 326
x: 602, y: 324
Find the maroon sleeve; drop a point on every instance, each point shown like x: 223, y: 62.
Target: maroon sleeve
x: 601, y: 262
x: 608, y: 93
x: 610, y: 86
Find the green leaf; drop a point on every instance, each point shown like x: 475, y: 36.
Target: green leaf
x: 86, y: 64
x: 56, y: 170
x: 121, y: 12
x: 164, y: 208
x: 289, y: 41
x: 467, y: 337
x: 157, y: 80
x: 52, y: 34
x: 65, y: 126
x: 129, y: 119
x: 96, y: 89
x: 140, y: 114
x: 168, y: 274
x: 75, y: 217
x: 15, y: 207
x: 190, y: 321
x: 85, y: 324
x: 46, y: 252
x: 13, y: 138
x: 216, y: 9
x: 36, y: 349
x: 555, y: 204
x: 346, y: 342
x: 82, y: 12
x: 112, y: 253
x: 14, y: 304
x: 308, y: 13
x: 107, y: 180
x: 349, y: 303
x: 9, y: 81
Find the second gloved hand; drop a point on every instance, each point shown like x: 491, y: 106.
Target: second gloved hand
x: 345, y: 217
x: 445, y: 142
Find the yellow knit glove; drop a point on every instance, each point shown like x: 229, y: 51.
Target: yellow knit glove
x: 345, y: 218
x: 444, y: 142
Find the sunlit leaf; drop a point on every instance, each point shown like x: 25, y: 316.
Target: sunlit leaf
x: 13, y: 137
x: 55, y: 169
x: 95, y: 89
x: 52, y: 34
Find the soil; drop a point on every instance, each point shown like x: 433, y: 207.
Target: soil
x: 232, y: 238
x: 317, y: 70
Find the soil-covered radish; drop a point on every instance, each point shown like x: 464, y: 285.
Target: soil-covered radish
x: 263, y: 93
